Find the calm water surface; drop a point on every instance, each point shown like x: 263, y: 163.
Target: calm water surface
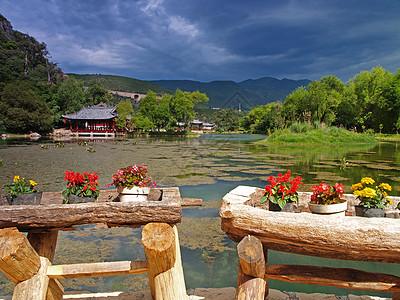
x: 207, y: 167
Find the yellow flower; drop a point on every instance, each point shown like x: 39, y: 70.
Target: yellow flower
x: 32, y: 183
x: 357, y: 186
x: 358, y: 193
x: 389, y: 200
x: 368, y: 192
x: 367, y: 180
x: 16, y: 178
x: 384, y: 194
x: 385, y: 186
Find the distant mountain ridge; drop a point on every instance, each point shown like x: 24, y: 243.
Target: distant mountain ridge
x: 222, y: 94
x: 254, y: 92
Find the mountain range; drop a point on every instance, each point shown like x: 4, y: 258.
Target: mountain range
x: 222, y: 94
x: 248, y: 93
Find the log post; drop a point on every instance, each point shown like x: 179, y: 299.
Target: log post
x: 34, y: 288
x: 251, y: 283
x: 18, y: 260
x: 161, y: 247
x: 45, y: 245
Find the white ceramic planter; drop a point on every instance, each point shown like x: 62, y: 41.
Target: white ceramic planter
x: 133, y: 194
x: 337, y: 208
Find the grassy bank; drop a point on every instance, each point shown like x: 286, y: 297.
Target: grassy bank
x: 299, y: 133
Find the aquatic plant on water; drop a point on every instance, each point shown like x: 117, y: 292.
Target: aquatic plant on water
x: 82, y: 185
x: 282, y: 190
x: 372, y: 195
x: 21, y: 186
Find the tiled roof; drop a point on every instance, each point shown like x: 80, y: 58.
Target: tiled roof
x: 96, y: 112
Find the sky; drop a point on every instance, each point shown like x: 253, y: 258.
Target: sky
x: 207, y: 40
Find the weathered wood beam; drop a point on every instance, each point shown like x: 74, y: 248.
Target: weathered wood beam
x: 44, y: 243
x: 34, y: 288
x: 97, y: 269
x: 338, y: 237
x: 64, y: 216
x: 161, y: 247
x: 338, y: 277
x: 251, y: 283
x: 191, y: 202
x: 18, y: 260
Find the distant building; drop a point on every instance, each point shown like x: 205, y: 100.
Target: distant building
x: 199, y: 125
x: 93, y: 120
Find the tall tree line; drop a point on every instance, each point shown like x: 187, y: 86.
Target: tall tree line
x: 369, y: 101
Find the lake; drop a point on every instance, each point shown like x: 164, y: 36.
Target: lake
x: 204, y: 167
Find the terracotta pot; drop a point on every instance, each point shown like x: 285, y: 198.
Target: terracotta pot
x: 74, y: 199
x: 133, y: 194
x: 26, y: 199
x: 328, y: 209
x: 362, y: 211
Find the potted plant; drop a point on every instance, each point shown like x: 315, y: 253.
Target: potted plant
x: 133, y: 183
x: 282, y: 192
x: 23, y: 192
x: 327, y: 199
x: 81, y: 187
x: 373, y: 198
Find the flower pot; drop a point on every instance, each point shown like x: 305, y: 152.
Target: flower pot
x: 363, y: 211
x: 328, y: 209
x: 26, y: 199
x: 133, y: 194
x: 74, y: 199
x: 289, y: 206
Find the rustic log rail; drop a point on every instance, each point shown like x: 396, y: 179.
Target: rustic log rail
x: 27, y: 261
x: 338, y: 237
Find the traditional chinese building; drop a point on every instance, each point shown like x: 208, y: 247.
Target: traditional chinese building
x: 93, y: 120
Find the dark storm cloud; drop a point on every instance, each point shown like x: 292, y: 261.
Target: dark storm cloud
x: 214, y: 39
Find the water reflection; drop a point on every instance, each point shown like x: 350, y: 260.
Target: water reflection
x: 206, y: 167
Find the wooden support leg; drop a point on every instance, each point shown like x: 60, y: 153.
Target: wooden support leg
x: 45, y: 245
x: 251, y: 283
x: 34, y: 288
x: 161, y: 247
x: 18, y: 260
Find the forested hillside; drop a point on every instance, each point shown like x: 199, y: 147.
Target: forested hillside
x: 222, y: 93
x: 34, y: 91
x: 121, y: 83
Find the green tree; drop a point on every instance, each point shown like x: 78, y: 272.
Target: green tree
x: 263, y: 119
x: 97, y: 93
x: 125, y: 111
x: 139, y: 121
x: 226, y: 119
x: 182, y: 105
x: 22, y: 110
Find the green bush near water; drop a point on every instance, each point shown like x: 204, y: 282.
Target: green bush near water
x: 304, y: 133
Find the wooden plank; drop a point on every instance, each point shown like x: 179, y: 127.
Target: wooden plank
x: 64, y: 216
x: 34, y: 288
x: 339, y: 277
x: 338, y: 237
x: 55, y: 290
x: 97, y: 269
x: 18, y: 260
x: 191, y: 202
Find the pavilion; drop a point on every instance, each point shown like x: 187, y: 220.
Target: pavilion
x: 93, y: 120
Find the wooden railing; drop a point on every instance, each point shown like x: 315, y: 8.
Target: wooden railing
x: 27, y: 261
x: 337, y: 237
